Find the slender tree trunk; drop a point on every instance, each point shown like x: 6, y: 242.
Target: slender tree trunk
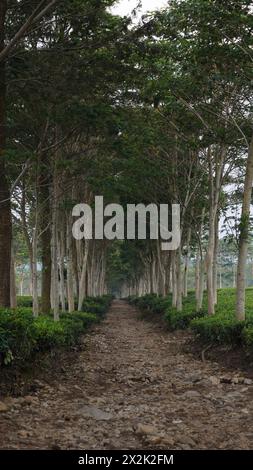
x: 35, y: 272
x: 151, y: 276
x: 244, y: 236
x: 13, y: 279
x: 234, y: 275
x: 46, y: 270
x: 197, y: 276
x: 215, y: 259
x: 179, y: 282
x: 174, y: 280
x: 161, y: 272
x: 55, y: 276
x: 21, y: 285
x: 82, y: 283
x: 61, y: 244
x: 5, y: 205
x: 209, y: 269
x: 186, y: 267
x: 45, y: 238
x: 70, y: 271
x: 200, y: 267
x: 201, y: 285
x: 215, y: 182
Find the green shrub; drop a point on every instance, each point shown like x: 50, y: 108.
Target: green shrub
x: 49, y: 333
x: 25, y: 301
x: 221, y: 328
x: 181, y: 320
x: 97, y: 305
x: 17, y: 333
x: 150, y: 303
x: 87, y: 319
x: 216, y: 329
x: 21, y: 335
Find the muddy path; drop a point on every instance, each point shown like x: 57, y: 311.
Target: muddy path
x: 132, y: 387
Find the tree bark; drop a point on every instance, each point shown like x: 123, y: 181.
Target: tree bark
x: 70, y: 270
x: 186, y: 266
x: 45, y: 237
x: 13, y: 279
x: 244, y: 235
x: 82, y: 282
x: 215, y: 259
x: 179, y: 281
x: 5, y: 205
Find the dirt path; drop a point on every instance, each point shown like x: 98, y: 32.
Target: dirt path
x: 132, y: 387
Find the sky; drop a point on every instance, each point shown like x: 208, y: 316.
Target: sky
x: 124, y: 7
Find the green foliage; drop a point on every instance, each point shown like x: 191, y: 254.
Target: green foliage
x: 17, y: 334
x: 21, y: 335
x: 247, y: 337
x: 25, y: 301
x: 221, y: 328
x: 181, y: 320
x: 150, y: 303
x: 97, y: 305
x: 217, y: 329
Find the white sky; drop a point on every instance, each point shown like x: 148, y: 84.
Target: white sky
x: 124, y: 7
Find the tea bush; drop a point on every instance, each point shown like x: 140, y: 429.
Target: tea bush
x: 21, y: 335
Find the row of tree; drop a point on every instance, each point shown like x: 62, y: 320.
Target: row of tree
x: 92, y: 104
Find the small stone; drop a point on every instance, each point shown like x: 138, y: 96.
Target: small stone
x: 3, y: 407
x: 214, y: 380
x: 23, y: 433
x: 96, y: 413
x: 155, y: 440
x: 248, y: 381
x: 186, y: 440
x: 226, y: 380
x: 177, y: 421
x: 29, y: 400
x: 236, y: 380
x: 168, y: 441
x: 145, y: 429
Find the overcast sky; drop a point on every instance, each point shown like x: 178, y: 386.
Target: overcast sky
x: 125, y: 7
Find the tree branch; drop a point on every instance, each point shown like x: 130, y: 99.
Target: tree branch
x: 33, y: 18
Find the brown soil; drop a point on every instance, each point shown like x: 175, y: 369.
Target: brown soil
x: 131, y: 386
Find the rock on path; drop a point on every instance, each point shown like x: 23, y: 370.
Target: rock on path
x: 132, y: 387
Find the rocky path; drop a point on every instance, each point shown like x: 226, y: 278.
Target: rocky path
x: 132, y: 387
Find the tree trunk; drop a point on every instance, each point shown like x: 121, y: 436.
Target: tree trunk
x: 186, y: 267
x: 179, y: 282
x: 244, y: 235
x: 35, y: 272
x: 201, y: 285
x: 215, y: 182
x: 46, y: 270
x: 55, y: 274
x: 45, y: 228
x: 61, y: 244
x: 82, y: 283
x: 70, y: 270
x: 215, y: 259
x: 174, y: 280
x: 197, y: 276
x: 13, y: 279
x: 5, y: 206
